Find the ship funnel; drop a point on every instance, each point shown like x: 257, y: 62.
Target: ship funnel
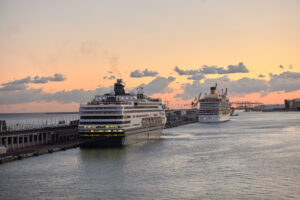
x: 212, y: 90
x: 140, y: 94
x: 119, y: 87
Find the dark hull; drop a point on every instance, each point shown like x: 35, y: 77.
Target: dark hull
x: 131, y: 136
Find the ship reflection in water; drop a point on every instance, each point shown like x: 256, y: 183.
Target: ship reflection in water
x: 253, y: 156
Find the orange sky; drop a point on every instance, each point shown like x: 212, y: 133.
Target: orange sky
x: 85, y: 40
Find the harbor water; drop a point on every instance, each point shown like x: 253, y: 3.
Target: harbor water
x: 253, y: 156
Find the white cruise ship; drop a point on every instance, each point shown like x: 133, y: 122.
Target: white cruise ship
x: 214, y: 107
x: 120, y: 118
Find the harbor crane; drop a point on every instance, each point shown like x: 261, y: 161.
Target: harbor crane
x: 195, y: 102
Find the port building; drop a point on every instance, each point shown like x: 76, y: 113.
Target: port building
x: 293, y: 104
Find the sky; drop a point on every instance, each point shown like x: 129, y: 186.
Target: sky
x: 59, y: 53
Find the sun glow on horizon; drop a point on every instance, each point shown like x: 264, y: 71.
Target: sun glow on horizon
x: 92, y: 44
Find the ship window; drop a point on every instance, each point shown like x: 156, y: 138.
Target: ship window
x: 108, y: 122
x: 101, y: 117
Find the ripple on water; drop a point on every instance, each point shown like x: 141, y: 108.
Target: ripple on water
x: 253, y: 156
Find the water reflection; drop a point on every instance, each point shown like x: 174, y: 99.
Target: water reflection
x: 95, y: 154
x: 254, y: 156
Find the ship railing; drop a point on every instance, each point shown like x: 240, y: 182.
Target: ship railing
x: 106, y: 103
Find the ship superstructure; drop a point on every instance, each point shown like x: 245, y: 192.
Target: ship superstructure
x: 214, y: 107
x: 121, y: 118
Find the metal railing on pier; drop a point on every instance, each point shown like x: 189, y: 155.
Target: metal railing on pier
x: 37, y: 124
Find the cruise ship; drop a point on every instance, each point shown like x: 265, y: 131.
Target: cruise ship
x: 119, y: 118
x: 214, y: 107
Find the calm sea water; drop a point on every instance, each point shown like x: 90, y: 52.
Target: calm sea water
x: 253, y: 156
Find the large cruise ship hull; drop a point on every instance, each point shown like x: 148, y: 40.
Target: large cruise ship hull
x: 130, y: 137
x: 213, y: 118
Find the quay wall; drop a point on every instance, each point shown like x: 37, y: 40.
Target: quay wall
x: 15, y: 141
x: 20, y: 144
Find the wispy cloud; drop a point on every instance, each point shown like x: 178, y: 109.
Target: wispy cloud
x: 111, y: 77
x: 286, y: 81
x: 20, y: 84
x: 38, y: 95
x: 196, y: 77
x: 236, y: 87
x: 231, y: 69
x: 157, y: 85
x: 145, y: 73
x: 14, y: 87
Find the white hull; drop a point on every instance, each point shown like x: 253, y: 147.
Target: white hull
x: 213, y: 118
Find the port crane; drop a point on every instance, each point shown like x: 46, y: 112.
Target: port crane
x: 195, y: 102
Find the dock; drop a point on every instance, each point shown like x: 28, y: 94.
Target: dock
x: 37, y: 151
x: 25, y: 143
x: 18, y: 144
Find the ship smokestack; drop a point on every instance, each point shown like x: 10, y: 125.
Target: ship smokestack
x: 119, y: 87
x: 212, y: 90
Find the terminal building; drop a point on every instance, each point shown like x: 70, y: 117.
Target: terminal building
x: 17, y: 140
x: 181, y: 115
x: 293, y: 104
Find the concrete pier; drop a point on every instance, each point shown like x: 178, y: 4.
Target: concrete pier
x: 18, y: 140
x: 33, y: 142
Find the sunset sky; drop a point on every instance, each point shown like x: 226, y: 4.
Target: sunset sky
x: 56, y: 54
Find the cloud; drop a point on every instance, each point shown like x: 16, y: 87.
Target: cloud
x: 248, y: 85
x: 235, y: 87
x: 57, y: 78
x: 196, y: 77
x: 20, y: 96
x: 42, y: 80
x: 239, y: 68
x: 12, y: 87
x: 191, y: 90
x: 261, y: 76
x: 286, y: 81
x: 76, y: 95
x: 37, y: 95
x: 281, y: 66
x: 111, y: 77
x: 158, y: 85
x: 18, y: 82
x: 21, y: 83
x: 286, y: 75
x: 185, y: 72
x: 140, y: 74
x: 38, y: 79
